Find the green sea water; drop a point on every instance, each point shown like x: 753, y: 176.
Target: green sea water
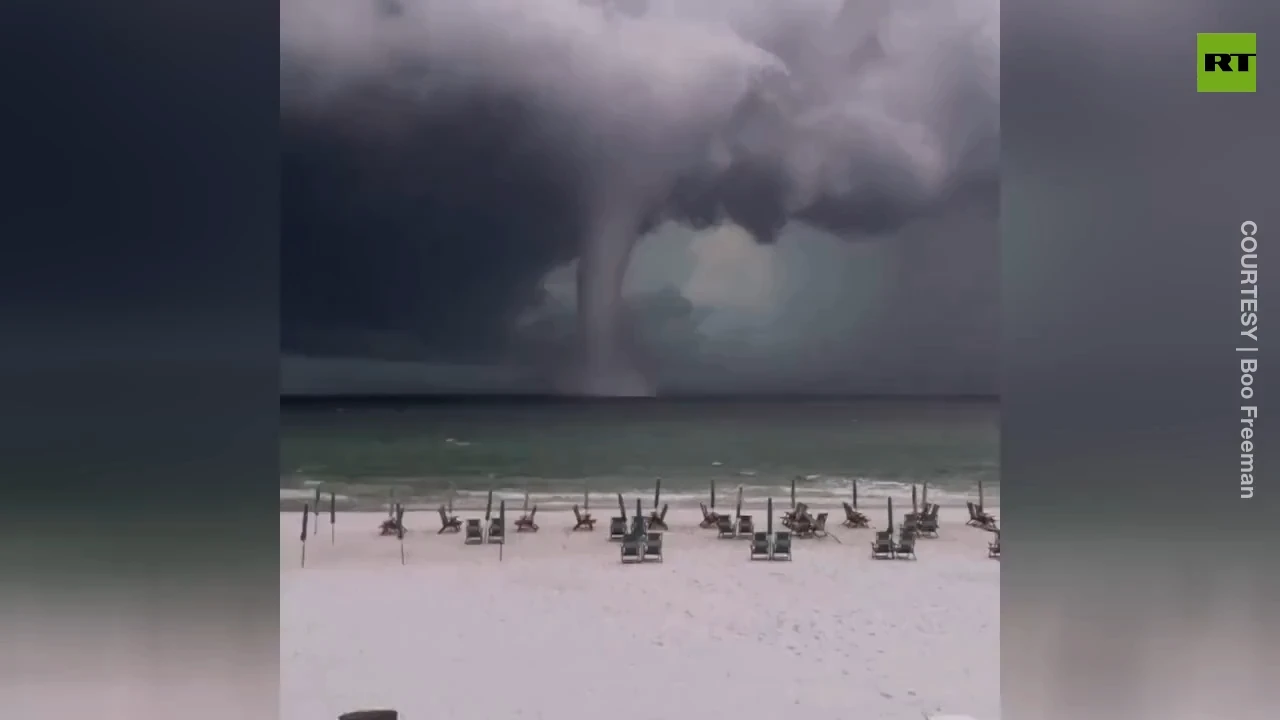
x: 557, y: 451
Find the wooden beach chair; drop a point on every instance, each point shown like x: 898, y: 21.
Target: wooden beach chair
x: 525, y: 523
x: 781, y: 546
x: 761, y: 548
x: 617, y: 528
x: 475, y: 532
x: 853, y: 518
x: 791, y: 517
x: 819, y: 527
x: 448, y: 523
x: 906, y: 545
x: 497, y: 533
x: 725, y: 527
x: 658, y: 519
x: 985, y: 519
x: 882, y: 546
x: 652, y: 547
x: 583, y: 521
x: 978, y: 518
x: 632, y: 548
x: 802, y: 526
x: 993, y: 548
x: 709, y: 517
x: 746, y: 526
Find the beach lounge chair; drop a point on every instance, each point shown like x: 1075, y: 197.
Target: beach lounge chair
x: 746, y: 526
x: 928, y: 525
x: 993, y: 548
x: 853, y: 518
x: 525, y: 523
x: 448, y: 523
x: 802, y: 526
x: 791, y: 517
x: 819, y: 527
x: 978, y: 518
x: 761, y: 548
x: 497, y: 533
x: 583, y: 521
x: 906, y: 545
x: 658, y: 519
x: 725, y: 527
x: 882, y: 546
x: 652, y: 547
x: 986, y: 519
x: 632, y: 548
x: 709, y: 517
x: 475, y: 532
x: 617, y: 528
x: 781, y: 546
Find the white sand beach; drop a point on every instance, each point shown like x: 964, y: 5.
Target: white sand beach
x: 559, y: 628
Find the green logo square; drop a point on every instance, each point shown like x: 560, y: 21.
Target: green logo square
x: 1227, y: 62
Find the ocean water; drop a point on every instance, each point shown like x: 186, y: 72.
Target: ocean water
x: 558, y: 452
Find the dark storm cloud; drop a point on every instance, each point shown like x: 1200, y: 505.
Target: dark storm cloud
x: 441, y: 157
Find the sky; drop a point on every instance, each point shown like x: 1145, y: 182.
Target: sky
x: 679, y: 196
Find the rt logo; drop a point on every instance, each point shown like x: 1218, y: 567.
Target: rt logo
x: 1228, y: 62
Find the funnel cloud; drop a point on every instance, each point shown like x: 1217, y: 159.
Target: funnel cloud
x: 442, y: 157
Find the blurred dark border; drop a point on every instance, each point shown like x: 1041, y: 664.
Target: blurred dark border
x: 138, y: 297
x: 1136, y: 582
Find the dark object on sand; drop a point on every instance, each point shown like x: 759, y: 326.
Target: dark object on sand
x: 370, y: 715
x: 475, y: 532
x: 725, y: 527
x: 582, y: 520
x: 652, y: 547
x: 659, y: 519
x: 882, y: 546
x: 906, y: 545
x: 709, y: 517
x: 853, y: 518
x: 980, y: 519
x: 761, y: 546
x: 525, y: 523
x: 617, y: 528
x: 389, y: 527
x: 781, y: 546
x: 633, y: 548
x: 448, y: 523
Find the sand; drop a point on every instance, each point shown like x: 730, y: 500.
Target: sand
x: 559, y: 628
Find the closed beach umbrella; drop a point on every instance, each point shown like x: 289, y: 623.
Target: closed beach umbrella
x: 622, y: 507
x: 586, y: 495
x: 915, y: 508
x: 769, y: 522
x: 855, y: 493
x: 793, y: 493
x: 488, y: 507
x: 333, y: 514
x: 713, y: 493
x: 924, y: 496
x: 890, y: 514
x: 981, y: 503
x: 738, y: 512
x: 657, y: 492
